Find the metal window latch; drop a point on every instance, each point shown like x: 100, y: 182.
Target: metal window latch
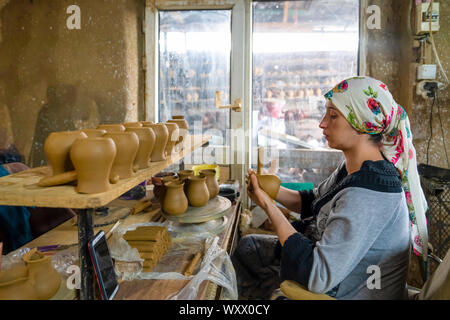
x: 236, y: 106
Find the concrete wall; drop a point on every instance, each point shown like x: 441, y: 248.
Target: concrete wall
x: 55, y: 79
x: 392, y: 59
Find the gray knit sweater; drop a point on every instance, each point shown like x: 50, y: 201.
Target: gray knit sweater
x: 359, y: 229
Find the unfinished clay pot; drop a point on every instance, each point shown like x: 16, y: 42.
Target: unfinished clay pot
x: 57, y: 149
x: 184, y: 175
x: 162, y: 136
x: 127, y: 145
x: 132, y: 124
x: 183, y: 127
x: 92, y: 133
x: 211, y: 182
x: 157, y: 182
x: 45, y: 278
x: 16, y: 284
x: 163, y: 188
x: 175, y: 201
x: 270, y: 184
x: 112, y: 127
x: 174, y: 135
x: 93, y: 159
x: 147, y: 140
x: 197, y: 191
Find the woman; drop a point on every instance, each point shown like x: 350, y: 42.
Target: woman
x: 353, y: 239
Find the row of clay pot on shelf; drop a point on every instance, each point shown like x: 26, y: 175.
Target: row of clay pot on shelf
x: 176, y: 191
x: 36, y: 280
x: 98, y: 157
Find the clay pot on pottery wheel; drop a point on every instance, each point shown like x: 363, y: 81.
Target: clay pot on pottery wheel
x: 162, y: 136
x: 163, y: 189
x: 16, y: 284
x: 174, y: 135
x: 175, y: 202
x: 197, y: 191
x: 132, y: 124
x: 57, y: 150
x: 93, y: 159
x: 211, y: 182
x: 270, y: 184
x: 92, y: 133
x: 45, y: 278
x: 183, y: 127
x: 157, y: 182
x: 127, y: 145
x: 112, y: 127
x: 146, y: 145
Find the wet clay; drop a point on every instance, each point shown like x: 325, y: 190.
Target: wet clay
x: 270, y: 184
x: 197, y: 191
x: 211, y: 182
x: 147, y: 140
x: 174, y: 135
x: 162, y: 136
x: 45, y: 277
x: 127, y: 145
x: 93, y: 159
x: 175, y: 201
x: 57, y: 150
x: 92, y: 133
x: 112, y: 127
x: 16, y: 284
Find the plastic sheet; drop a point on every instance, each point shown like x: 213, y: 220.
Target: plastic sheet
x: 216, y: 264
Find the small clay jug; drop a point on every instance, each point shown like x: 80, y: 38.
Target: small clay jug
x: 45, y: 278
x: 175, y: 202
x: 174, y: 135
x: 57, y: 149
x: 93, y: 159
x: 211, y: 182
x: 183, y: 127
x: 16, y: 284
x: 146, y: 145
x: 112, y: 127
x: 184, y: 175
x: 270, y: 183
x: 127, y: 145
x: 162, y: 136
x: 92, y: 133
x: 163, y: 189
x: 132, y: 124
x: 157, y: 182
x: 197, y: 191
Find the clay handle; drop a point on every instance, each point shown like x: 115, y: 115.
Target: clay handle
x: 260, y: 160
x: 58, y: 179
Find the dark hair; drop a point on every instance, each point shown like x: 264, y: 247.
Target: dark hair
x: 376, y: 138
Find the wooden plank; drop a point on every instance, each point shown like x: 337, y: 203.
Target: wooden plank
x: 21, y: 189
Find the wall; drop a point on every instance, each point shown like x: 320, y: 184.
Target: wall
x: 55, y: 79
x: 392, y: 59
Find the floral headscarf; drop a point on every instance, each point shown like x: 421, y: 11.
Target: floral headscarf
x: 370, y: 108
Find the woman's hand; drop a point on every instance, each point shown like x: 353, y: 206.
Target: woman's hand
x: 254, y: 191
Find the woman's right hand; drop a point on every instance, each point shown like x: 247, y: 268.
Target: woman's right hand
x: 254, y: 191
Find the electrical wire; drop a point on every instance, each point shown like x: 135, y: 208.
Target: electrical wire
x: 431, y: 125
x: 443, y: 135
x: 444, y: 73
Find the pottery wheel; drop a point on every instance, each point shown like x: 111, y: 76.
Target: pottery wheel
x: 214, y: 209
x: 214, y: 227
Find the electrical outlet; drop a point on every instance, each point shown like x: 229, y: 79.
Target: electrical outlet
x: 428, y: 88
x: 426, y: 72
x: 423, y: 17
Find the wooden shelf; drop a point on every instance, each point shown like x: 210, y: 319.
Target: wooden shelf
x: 21, y: 189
